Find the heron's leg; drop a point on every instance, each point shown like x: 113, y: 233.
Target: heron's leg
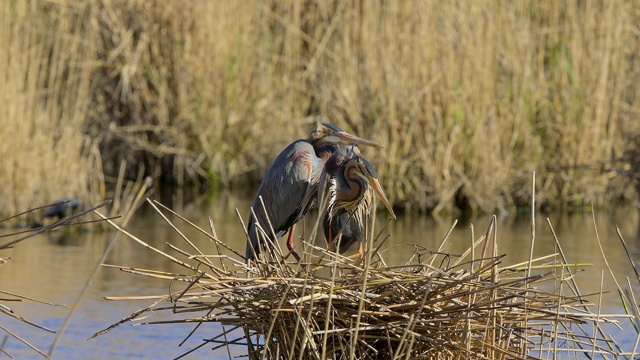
x: 290, y: 243
x: 332, y: 242
x: 361, y: 252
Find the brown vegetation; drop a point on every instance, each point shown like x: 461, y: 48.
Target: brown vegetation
x: 467, y: 97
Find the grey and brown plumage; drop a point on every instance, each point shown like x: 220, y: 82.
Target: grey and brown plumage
x: 350, y: 179
x: 290, y: 187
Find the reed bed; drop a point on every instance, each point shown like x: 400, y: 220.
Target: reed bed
x: 436, y: 306
x: 466, y: 97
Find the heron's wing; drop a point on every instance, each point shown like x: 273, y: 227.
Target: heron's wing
x: 351, y: 233
x: 288, y: 190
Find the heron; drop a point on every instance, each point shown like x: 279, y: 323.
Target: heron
x: 290, y: 187
x: 350, y: 179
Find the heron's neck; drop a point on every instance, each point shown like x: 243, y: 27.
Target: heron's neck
x: 350, y: 190
x: 357, y: 186
x: 324, y: 150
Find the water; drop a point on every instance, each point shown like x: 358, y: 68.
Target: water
x: 54, y: 267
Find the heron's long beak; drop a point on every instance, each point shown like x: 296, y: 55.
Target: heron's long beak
x: 352, y: 139
x: 376, y: 186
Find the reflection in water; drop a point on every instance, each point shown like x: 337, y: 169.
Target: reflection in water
x: 54, y: 267
x: 67, y: 236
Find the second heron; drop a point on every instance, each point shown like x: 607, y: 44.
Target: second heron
x: 350, y: 180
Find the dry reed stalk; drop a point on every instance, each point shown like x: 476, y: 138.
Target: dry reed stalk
x: 440, y: 306
x: 129, y: 201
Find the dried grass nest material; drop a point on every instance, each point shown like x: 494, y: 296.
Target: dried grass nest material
x: 438, y: 306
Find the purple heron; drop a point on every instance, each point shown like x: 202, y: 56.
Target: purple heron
x: 351, y: 179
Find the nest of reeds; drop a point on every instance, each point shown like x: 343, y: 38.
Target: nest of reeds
x: 436, y: 306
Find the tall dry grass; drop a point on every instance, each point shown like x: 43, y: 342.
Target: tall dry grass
x: 45, y: 82
x: 467, y: 97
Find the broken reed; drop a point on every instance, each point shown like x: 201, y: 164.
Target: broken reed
x: 465, y: 97
x: 438, y: 305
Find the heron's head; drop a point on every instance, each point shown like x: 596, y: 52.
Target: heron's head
x: 340, y: 157
x: 359, y: 174
x: 327, y: 134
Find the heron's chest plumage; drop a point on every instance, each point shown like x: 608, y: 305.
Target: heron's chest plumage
x: 356, y: 201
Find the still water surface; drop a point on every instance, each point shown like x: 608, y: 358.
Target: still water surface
x: 54, y: 267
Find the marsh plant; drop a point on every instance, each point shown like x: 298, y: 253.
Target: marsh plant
x: 466, y: 97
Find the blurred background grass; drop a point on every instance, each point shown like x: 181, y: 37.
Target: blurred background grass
x: 467, y: 97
